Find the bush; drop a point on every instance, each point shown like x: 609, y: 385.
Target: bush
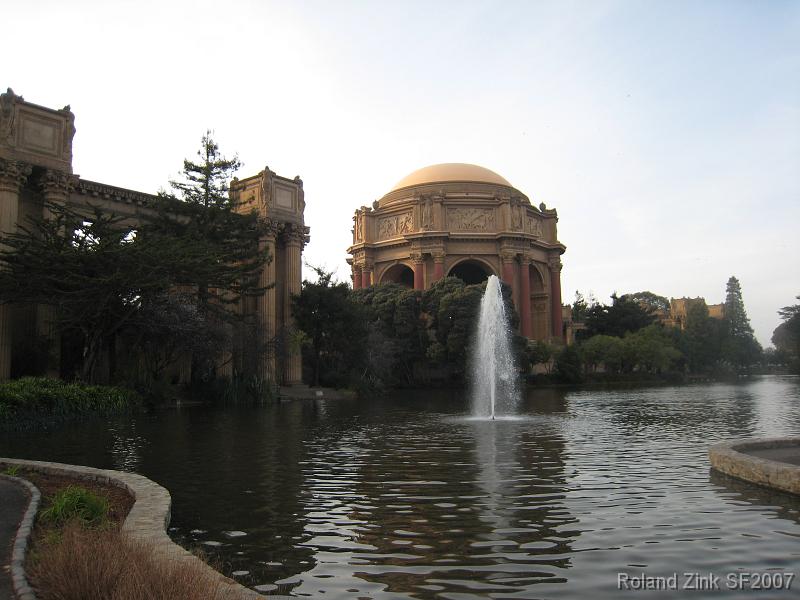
x: 75, y: 503
x: 34, y: 400
x: 85, y: 564
x: 568, y: 367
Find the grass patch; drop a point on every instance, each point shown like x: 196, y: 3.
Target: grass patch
x: 75, y: 503
x: 12, y: 470
x: 105, y: 564
x: 34, y: 401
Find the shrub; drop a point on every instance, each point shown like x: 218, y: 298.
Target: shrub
x: 85, y: 564
x: 75, y: 503
x: 31, y: 400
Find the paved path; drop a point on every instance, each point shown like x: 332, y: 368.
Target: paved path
x: 14, y: 502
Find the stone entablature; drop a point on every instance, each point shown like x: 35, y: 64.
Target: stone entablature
x: 36, y: 168
x: 429, y: 228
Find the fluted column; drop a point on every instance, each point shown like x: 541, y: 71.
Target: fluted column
x: 525, y: 296
x: 12, y: 175
x: 419, y: 271
x: 555, y: 298
x: 356, y: 277
x: 438, y: 266
x: 508, y: 268
x: 56, y: 187
x: 295, y: 239
x: 266, y: 308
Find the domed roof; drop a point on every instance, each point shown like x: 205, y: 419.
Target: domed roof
x: 450, y: 172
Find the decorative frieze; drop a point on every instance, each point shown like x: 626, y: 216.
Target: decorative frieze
x: 395, y: 225
x: 533, y: 226
x: 471, y: 219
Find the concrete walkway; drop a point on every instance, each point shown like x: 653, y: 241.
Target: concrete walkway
x: 14, y: 501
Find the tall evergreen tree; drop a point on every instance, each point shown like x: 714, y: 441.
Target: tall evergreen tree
x: 740, y: 346
x: 206, y: 182
x: 223, y: 257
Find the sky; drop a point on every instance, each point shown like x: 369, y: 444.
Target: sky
x: 666, y: 134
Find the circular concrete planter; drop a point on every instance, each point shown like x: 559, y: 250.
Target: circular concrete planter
x: 771, y: 462
x: 147, y: 520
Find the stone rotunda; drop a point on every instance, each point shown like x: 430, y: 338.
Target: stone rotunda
x: 466, y: 221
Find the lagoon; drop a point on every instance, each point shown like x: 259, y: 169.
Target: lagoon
x: 406, y: 497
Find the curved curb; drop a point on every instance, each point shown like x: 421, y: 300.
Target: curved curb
x: 19, y: 581
x: 147, y: 520
x: 732, y: 459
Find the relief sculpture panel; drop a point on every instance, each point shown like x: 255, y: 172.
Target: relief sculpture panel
x: 389, y: 227
x: 533, y: 226
x: 471, y: 219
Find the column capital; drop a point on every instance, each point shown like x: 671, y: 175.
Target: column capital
x: 13, y: 174
x: 57, y: 183
x: 417, y: 257
x: 295, y: 235
x: 508, y: 256
x: 555, y: 264
x: 438, y: 257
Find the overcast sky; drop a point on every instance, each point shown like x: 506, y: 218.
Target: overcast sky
x: 667, y: 134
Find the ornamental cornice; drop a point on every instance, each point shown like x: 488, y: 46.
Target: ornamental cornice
x: 13, y: 174
x: 60, y: 183
x: 110, y: 192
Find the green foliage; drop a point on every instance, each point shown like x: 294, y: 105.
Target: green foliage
x: 539, y: 352
x: 650, y: 301
x: 702, y: 337
x: 34, y: 400
x: 786, y: 336
x: 206, y: 182
x: 603, y: 350
x: 739, y: 347
x: 76, y: 503
x: 335, y: 330
x: 650, y: 350
x: 568, y: 365
x: 623, y: 315
x: 12, y: 470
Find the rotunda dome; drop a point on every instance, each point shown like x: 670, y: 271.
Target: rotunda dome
x: 450, y: 172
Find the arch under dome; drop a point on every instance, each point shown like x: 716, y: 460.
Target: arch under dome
x: 450, y: 172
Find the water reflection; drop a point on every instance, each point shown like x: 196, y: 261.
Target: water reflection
x: 403, y: 497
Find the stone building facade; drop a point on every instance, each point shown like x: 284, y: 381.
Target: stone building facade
x: 466, y: 221
x: 36, y: 167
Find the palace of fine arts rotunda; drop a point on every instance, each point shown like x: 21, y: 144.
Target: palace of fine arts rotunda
x: 466, y: 221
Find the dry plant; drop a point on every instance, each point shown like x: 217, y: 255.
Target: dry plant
x: 83, y: 564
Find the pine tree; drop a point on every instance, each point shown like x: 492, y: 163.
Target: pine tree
x: 206, y: 182
x: 740, y: 346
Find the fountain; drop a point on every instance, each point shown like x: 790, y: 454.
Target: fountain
x: 494, y: 375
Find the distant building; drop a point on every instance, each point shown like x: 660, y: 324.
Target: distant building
x: 36, y: 167
x: 465, y: 221
x: 679, y: 307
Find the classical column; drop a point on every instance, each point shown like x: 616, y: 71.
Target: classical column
x: 366, y: 275
x: 555, y: 298
x: 419, y: 271
x: 356, y: 277
x: 56, y: 187
x: 295, y: 239
x: 438, y: 266
x: 12, y: 175
x: 507, y: 259
x: 266, y: 308
x: 525, y: 296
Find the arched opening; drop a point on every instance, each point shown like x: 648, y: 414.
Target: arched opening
x: 537, y: 283
x: 399, y: 273
x: 470, y: 272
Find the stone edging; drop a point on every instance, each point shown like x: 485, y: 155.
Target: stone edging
x: 147, y: 520
x: 731, y: 458
x: 19, y: 580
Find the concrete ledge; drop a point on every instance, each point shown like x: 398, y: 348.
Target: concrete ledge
x: 740, y: 459
x: 147, y: 520
x: 19, y: 581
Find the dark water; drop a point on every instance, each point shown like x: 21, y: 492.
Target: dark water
x: 405, y: 498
